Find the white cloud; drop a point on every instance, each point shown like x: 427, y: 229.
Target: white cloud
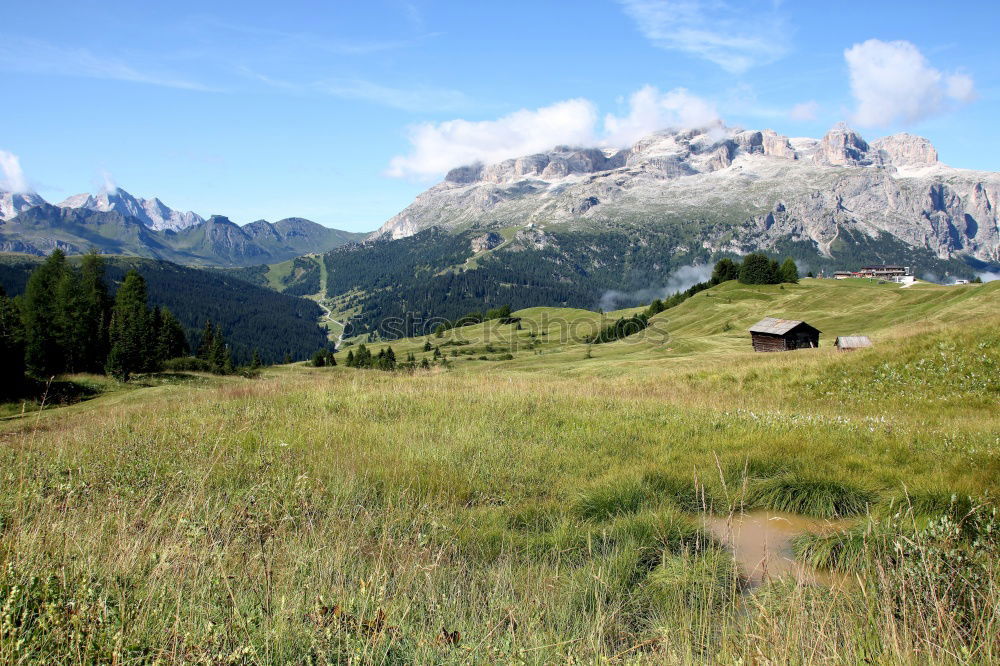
x: 893, y: 82
x: 734, y: 36
x: 438, y: 147
x: 13, y: 175
x: 804, y: 111
x: 650, y: 110
x: 989, y: 276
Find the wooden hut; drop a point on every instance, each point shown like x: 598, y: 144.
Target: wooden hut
x: 771, y: 334
x: 852, y: 342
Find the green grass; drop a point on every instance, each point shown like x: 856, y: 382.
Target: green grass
x: 547, y: 507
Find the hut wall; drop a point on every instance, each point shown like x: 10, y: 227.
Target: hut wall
x: 763, y: 342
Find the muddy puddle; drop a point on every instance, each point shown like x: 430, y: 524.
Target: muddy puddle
x: 761, y: 543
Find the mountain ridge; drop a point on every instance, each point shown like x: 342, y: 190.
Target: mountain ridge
x: 217, y: 241
x: 748, y: 190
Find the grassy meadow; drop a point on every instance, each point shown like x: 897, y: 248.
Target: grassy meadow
x: 534, y: 499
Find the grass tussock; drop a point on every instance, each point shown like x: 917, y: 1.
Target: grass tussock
x: 820, y: 498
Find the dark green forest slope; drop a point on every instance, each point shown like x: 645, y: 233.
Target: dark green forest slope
x: 251, y: 316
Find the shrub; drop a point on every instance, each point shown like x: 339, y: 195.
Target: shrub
x: 187, y: 364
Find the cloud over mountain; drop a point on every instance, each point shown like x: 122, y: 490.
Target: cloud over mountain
x: 438, y: 147
x: 893, y: 82
x: 13, y: 176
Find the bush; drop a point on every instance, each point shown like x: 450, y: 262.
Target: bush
x: 187, y: 364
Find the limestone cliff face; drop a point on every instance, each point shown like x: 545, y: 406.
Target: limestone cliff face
x: 747, y: 189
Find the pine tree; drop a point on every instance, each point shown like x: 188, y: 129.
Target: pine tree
x: 319, y: 358
x: 255, y: 363
x: 758, y: 269
x: 331, y: 359
x: 287, y: 359
x: 41, y: 319
x: 71, y: 327
x: 725, y: 269
x: 130, y: 335
x: 11, y: 348
x: 350, y: 359
x: 427, y: 345
x: 218, y: 356
x: 95, y: 312
x: 788, y: 271
x: 207, y: 341
x: 390, y: 358
x: 171, y: 342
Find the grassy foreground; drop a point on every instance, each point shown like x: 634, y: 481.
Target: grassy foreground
x: 538, y: 510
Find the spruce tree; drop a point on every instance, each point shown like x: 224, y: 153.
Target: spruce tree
x: 287, y: 359
x: 41, y: 317
x: 390, y: 357
x: 255, y: 362
x: 725, y: 269
x: 331, y: 359
x: 788, y: 271
x: 758, y: 269
x: 11, y: 348
x: 130, y: 335
x: 95, y: 312
x: 71, y: 327
x: 219, y: 357
x: 206, y: 342
x: 350, y: 359
x: 171, y: 342
x: 319, y: 358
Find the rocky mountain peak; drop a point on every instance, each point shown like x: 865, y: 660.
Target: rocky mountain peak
x: 153, y: 213
x: 843, y: 146
x: 907, y: 150
x: 14, y: 203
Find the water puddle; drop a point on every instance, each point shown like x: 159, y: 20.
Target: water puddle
x: 761, y: 543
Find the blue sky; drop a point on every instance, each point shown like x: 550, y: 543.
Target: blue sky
x: 343, y: 111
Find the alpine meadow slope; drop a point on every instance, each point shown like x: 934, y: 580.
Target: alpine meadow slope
x: 545, y: 509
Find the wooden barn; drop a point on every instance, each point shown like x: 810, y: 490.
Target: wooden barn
x: 852, y: 342
x: 771, y: 334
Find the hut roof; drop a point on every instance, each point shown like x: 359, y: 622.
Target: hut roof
x: 853, y: 341
x: 775, y: 326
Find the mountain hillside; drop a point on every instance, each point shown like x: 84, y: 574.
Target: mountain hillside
x: 252, y: 317
x: 597, y: 228
x: 122, y: 224
x: 741, y: 190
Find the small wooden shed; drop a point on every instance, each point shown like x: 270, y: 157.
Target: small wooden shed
x: 852, y: 342
x: 771, y: 334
